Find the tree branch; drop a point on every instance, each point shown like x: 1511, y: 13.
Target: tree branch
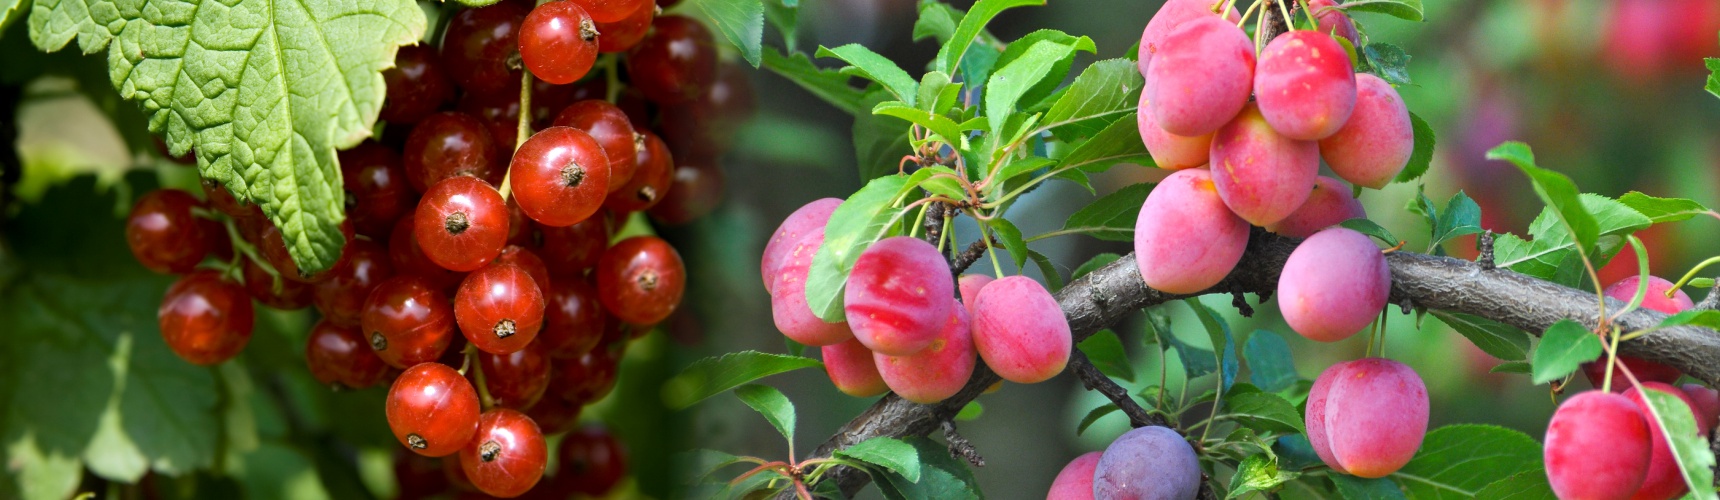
x: 1105, y: 296
x: 1096, y: 381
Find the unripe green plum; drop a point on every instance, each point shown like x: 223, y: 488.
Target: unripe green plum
x: 798, y: 224
x: 1305, y: 85
x: 1597, y: 447
x: 1645, y: 370
x: 1328, y: 205
x: 1186, y: 240
x: 1261, y: 175
x: 788, y: 298
x: 1333, y: 285
x: 936, y: 372
x: 1664, y: 481
x: 1075, y: 481
x: 898, y: 295
x: 1375, y: 144
x: 850, y: 368
x: 1020, y: 330
x: 969, y: 285
x: 1207, y: 75
x: 1170, y: 151
x: 1170, y: 16
x: 1147, y: 463
x: 1374, y: 416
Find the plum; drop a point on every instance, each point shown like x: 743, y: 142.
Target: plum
x: 1597, y: 447
x: 850, y: 367
x: 1206, y: 77
x: 1170, y: 151
x: 798, y: 224
x: 1332, y: 21
x: 1328, y: 205
x: 1645, y: 370
x: 1075, y: 481
x: 1664, y: 481
x: 1367, y: 417
x: 936, y: 372
x: 1262, y: 176
x: 1333, y: 285
x: 788, y: 298
x: 1186, y: 240
x: 1305, y: 85
x: 969, y: 286
x: 1170, y: 16
x: 898, y: 295
x: 1375, y: 144
x: 1147, y: 463
x: 1706, y: 403
x: 1019, y: 330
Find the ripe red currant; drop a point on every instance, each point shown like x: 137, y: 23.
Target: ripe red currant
x: 420, y: 477
x: 558, y: 42
x: 569, y: 251
x: 417, y: 86
x: 409, y: 259
x: 341, y: 296
x: 274, y: 291
x: 517, y: 379
x: 653, y: 171
x: 450, y: 144
x: 554, y: 413
x: 432, y: 410
x: 528, y: 261
x: 640, y: 280
x: 274, y: 249
x: 560, y: 176
x: 696, y: 191
x: 377, y: 193
x: 500, y: 308
x: 205, y: 319
x: 480, y: 47
x: 163, y: 234
x: 500, y: 113
x: 461, y: 223
x: 706, y: 127
x: 610, y: 127
x: 588, y: 378
x: 216, y: 237
x: 222, y: 200
x: 407, y: 321
x: 618, y: 36
x: 339, y: 355
x: 548, y: 99
x: 507, y: 455
x: 609, y: 11
x: 592, y: 460
x: 573, y: 319
x: 675, y: 62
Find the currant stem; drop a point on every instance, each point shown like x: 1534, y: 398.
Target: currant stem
x: 612, y: 77
x: 524, y: 131
x: 478, y: 371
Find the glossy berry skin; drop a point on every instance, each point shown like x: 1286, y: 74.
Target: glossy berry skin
x: 608, y: 11
x: 589, y: 377
x: 461, y: 224
x: 555, y: 414
x: 500, y: 114
x: 1329, y: 204
x: 163, y: 234
x: 1261, y: 175
x: 560, y: 176
x: 1372, y: 416
x: 1645, y: 370
x: 675, y: 62
x: 507, y: 455
x: 609, y: 126
x: 478, y: 43
x: 1664, y: 480
x: 528, y: 261
x: 806, y: 219
x: 898, y: 295
x: 695, y: 192
x: 1333, y: 285
x: 339, y: 356
x: 640, y: 280
x: 275, y: 292
x: 518, y: 379
x: 1332, y: 21
x: 1171, y: 16
x: 1206, y: 79
x: 408, y: 259
x: 936, y: 372
x: 788, y: 307
x: 417, y: 86
x: 1377, y: 141
x: 205, y: 319
x: 432, y: 410
x: 1589, y: 422
x: 852, y: 369
x: 623, y: 34
x: 500, y: 308
x: 1305, y: 85
x: 341, y: 296
x: 377, y: 192
x: 407, y: 321
x: 571, y: 250
x: 653, y: 172
x: 558, y: 42
x: 705, y: 128
x: 592, y: 460
x: 1190, y: 240
x: 1149, y: 463
x: 1075, y: 481
x: 1020, y: 331
x: 573, y: 320
x: 450, y: 144
x: 1170, y: 151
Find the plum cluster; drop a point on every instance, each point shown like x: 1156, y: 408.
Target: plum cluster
x: 908, y: 330
x: 1145, y: 463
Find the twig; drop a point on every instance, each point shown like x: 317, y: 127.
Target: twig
x: 1484, y: 244
x: 960, y: 447
x: 1096, y: 381
x: 968, y: 257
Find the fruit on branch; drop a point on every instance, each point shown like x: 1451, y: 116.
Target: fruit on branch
x: 618, y: 36
x: 1150, y: 463
x: 558, y: 42
x: 222, y: 200
x: 339, y: 356
x: 898, y: 295
x: 417, y: 85
x: 409, y: 259
x: 1170, y: 151
x: 592, y: 461
x: 1377, y: 141
x: 609, y: 126
x: 451, y: 144
x: 809, y: 217
x: 788, y: 308
x: 529, y: 262
x: 1332, y: 21
x: 1020, y: 331
x: 560, y: 176
x: 271, y: 243
x: 852, y: 370
x: 479, y: 47
x: 1261, y: 175
x: 1171, y: 16
x: 274, y: 291
x: 936, y: 372
x: 589, y: 377
x: 969, y: 286
x: 1664, y: 480
x: 377, y: 192
x: 1206, y: 76
x: 205, y: 318
x: 518, y: 379
x: 609, y: 11
x: 499, y: 308
x: 653, y: 172
x: 1645, y: 370
x: 1329, y: 204
x: 341, y: 296
x: 1367, y: 417
x: 573, y: 318
x: 1705, y: 402
x: 571, y: 250
x: 461, y: 224
x: 1597, y: 447
x: 1333, y: 285
x: 500, y: 113
x: 1305, y: 85
x: 163, y: 234
x: 1075, y: 481
x: 555, y: 414
x: 432, y: 410
x: 695, y: 192
x: 407, y: 320
x: 506, y: 456
x: 675, y: 62
x: 640, y: 280
x: 1186, y: 240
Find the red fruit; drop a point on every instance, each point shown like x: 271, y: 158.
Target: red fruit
x: 432, y: 410
x: 1170, y: 151
x: 609, y: 126
x: 706, y: 127
x: 450, y: 144
x: 205, y: 319
x: 417, y: 86
x: 500, y: 114
x: 1332, y: 21
x: 1581, y: 429
x: 1333, y: 285
x: 478, y: 44
x: 517, y: 379
x: 1305, y: 85
x: 1371, y: 414
x: 555, y: 414
x: 407, y: 321
x: 809, y: 217
x: 409, y: 259
x: 341, y: 296
x: 222, y: 200
x: 528, y: 261
x: 592, y: 461
x: 936, y: 372
x: 1171, y: 16
x: 558, y: 42
x: 1329, y: 204
x: 968, y: 286
x: 788, y: 307
x: 377, y: 192
x: 1206, y: 79
x: 274, y: 291
x: 1075, y: 481
x: 461, y: 224
x: 589, y: 377
x: 560, y: 176
x: 852, y: 369
x: 1189, y: 241
x: 163, y: 234
x: 1706, y: 403
x: 1262, y: 176
x: 1645, y: 370
x: 272, y: 243
x: 898, y: 295
x: 1664, y: 481
x: 1020, y: 331
x: 640, y: 280
x: 653, y: 171
x: 608, y: 11
x: 675, y: 62
x: 499, y: 308
x: 623, y: 34
x: 573, y: 319
x: 1377, y: 141
x: 695, y: 192
x: 339, y: 355
x: 571, y: 250
x: 507, y: 455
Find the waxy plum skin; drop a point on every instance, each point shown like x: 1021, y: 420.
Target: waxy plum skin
x: 1147, y: 463
x: 1020, y: 331
x: 850, y: 367
x: 938, y: 371
x: 1262, y: 176
x: 1305, y: 85
x: 1333, y: 285
x: 1377, y: 141
x: 1367, y: 417
x: 898, y: 295
x: 1590, y: 421
x: 1206, y: 78
x: 1186, y: 240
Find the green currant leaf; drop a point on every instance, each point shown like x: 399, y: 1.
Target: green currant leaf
x: 828, y: 84
x: 711, y: 376
x: 1565, y: 346
x: 937, y: 21
x: 785, y: 15
x: 10, y: 11
x: 1106, y: 90
x: 741, y: 22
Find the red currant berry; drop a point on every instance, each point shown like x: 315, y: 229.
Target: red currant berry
x: 216, y: 237
x: 618, y: 36
x: 409, y: 259
x: 457, y: 480
x: 640, y: 280
x: 521, y: 230
x: 573, y: 319
x: 548, y: 99
x: 553, y: 413
x: 432, y: 410
x: 639, y: 110
x: 611, y: 128
x: 588, y: 378
x: 339, y: 355
x: 609, y: 11
x: 527, y: 261
x: 653, y: 171
x: 500, y: 308
x: 569, y: 251
x: 461, y: 223
x: 517, y: 379
x: 501, y: 116
x: 558, y: 42
x: 560, y: 176
x: 675, y: 63
x: 163, y: 234
x: 450, y: 144
x: 274, y: 291
x: 205, y: 319
x: 377, y: 192
x: 274, y: 249
x: 223, y: 201
x: 480, y: 47
x: 706, y: 127
x: 593, y: 460
x: 507, y: 455
x: 341, y: 296
x: 417, y: 86
x: 420, y: 477
x: 407, y: 321
x: 695, y: 192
